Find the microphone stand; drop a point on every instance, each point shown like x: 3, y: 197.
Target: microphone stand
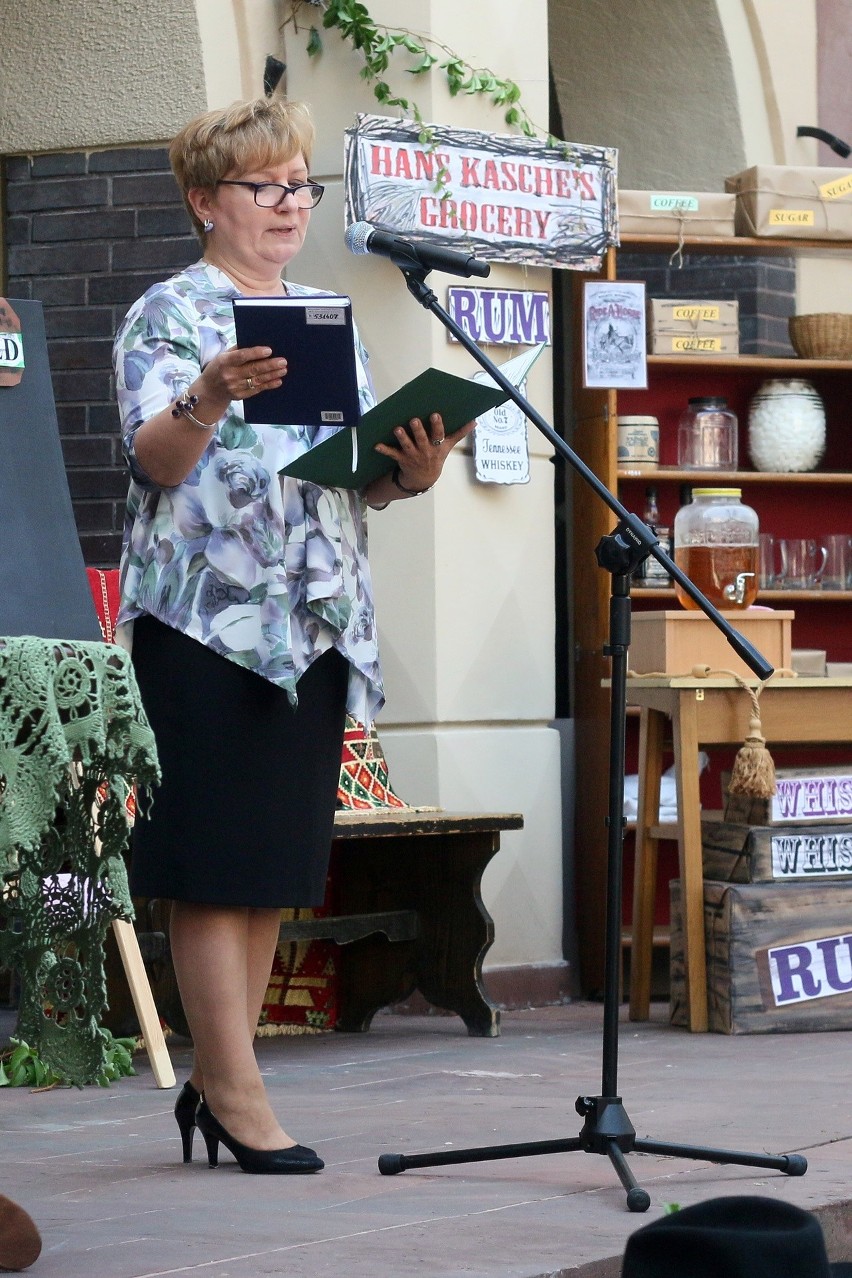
x: 607, y: 1130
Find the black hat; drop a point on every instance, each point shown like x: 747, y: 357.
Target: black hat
x: 738, y: 1237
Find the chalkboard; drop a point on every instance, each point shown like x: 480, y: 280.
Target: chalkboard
x: 44, y: 590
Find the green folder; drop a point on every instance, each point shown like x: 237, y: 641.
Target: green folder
x: 457, y: 399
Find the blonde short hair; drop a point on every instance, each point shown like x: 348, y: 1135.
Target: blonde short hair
x: 237, y: 139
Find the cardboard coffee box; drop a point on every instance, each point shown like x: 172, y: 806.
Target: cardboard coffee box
x: 779, y: 957
x: 693, y: 327
x: 676, y: 213
x: 793, y: 203
x: 672, y: 641
x: 735, y: 853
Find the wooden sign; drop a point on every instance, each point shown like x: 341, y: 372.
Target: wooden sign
x: 503, y: 198
x: 734, y: 853
x: 802, y: 794
x: 501, y: 316
x: 820, y: 967
x: 815, y: 795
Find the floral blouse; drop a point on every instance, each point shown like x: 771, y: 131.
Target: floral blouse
x: 266, y: 570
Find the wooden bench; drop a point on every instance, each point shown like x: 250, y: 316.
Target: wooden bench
x: 408, y: 916
x: 410, y: 912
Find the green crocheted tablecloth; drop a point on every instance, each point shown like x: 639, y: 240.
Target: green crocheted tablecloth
x: 74, y: 740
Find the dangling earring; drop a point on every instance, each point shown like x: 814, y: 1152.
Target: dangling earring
x: 208, y: 225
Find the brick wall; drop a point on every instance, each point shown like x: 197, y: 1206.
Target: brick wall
x: 764, y: 286
x: 86, y: 233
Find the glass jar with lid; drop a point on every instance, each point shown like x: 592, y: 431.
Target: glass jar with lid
x: 707, y: 435
x: 716, y: 545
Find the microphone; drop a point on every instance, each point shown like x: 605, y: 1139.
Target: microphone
x: 361, y: 237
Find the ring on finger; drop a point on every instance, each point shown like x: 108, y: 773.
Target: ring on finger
x: 436, y: 443
x: 250, y: 383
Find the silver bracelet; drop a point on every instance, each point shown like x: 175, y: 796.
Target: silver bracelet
x: 183, y: 408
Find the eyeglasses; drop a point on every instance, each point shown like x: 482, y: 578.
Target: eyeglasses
x: 268, y: 195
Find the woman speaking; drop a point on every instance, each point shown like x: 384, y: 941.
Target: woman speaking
x: 251, y: 606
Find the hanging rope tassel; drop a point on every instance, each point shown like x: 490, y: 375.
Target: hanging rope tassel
x: 753, y: 772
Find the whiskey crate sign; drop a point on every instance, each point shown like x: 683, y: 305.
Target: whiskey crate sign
x: 802, y: 794
x: 737, y: 853
x: 779, y: 957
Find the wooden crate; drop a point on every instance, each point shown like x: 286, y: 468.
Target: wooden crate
x: 803, y: 795
x: 733, y: 852
x: 672, y: 641
x: 779, y: 957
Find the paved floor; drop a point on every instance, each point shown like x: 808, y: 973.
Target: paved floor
x: 100, y: 1171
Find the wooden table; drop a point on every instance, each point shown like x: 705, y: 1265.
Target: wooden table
x: 707, y: 712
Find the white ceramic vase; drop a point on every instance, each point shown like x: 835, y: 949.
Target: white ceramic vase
x: 786, y: 426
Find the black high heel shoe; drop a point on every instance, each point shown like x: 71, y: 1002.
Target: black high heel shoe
x: 185, y: 1107
x: 296, y: 1160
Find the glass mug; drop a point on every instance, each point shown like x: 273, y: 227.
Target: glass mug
x: 838, y: 564
x: 768, y: 577
x: 802, y: 563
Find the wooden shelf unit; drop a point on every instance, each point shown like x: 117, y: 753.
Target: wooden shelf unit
x: 671, y: 381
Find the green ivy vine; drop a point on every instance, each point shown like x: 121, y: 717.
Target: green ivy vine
x: 377, y: 44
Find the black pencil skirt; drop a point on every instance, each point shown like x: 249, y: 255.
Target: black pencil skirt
x: 245, y: 810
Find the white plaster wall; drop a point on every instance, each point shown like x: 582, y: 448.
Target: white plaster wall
x: 774, y: 53
x: 494, y: 769
x: 784, y: 36
x: 236, y: 36
x: 96, y: 73
x: 464, y: 576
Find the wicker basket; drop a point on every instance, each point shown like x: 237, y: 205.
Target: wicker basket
x: 821, y: 336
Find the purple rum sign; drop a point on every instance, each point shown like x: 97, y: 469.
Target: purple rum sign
x: 501, y: 316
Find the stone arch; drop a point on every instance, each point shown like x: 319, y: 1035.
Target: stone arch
x: 655, y: 80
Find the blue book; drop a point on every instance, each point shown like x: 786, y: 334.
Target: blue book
x: 314, y: 334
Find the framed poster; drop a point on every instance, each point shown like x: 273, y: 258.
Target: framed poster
x: 503, y: 198
x: 614, y: 334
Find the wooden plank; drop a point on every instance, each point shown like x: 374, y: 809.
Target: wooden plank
x: 774, y: 365
x: 651, y: 729
x: 396, y: 925
x: 740, y: 476
x: 143, y: 1002
x: 732, y: 245
x: 594, y: 440
x: 393, y: 821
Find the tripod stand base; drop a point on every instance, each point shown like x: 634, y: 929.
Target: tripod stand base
x: 607, y: 1130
